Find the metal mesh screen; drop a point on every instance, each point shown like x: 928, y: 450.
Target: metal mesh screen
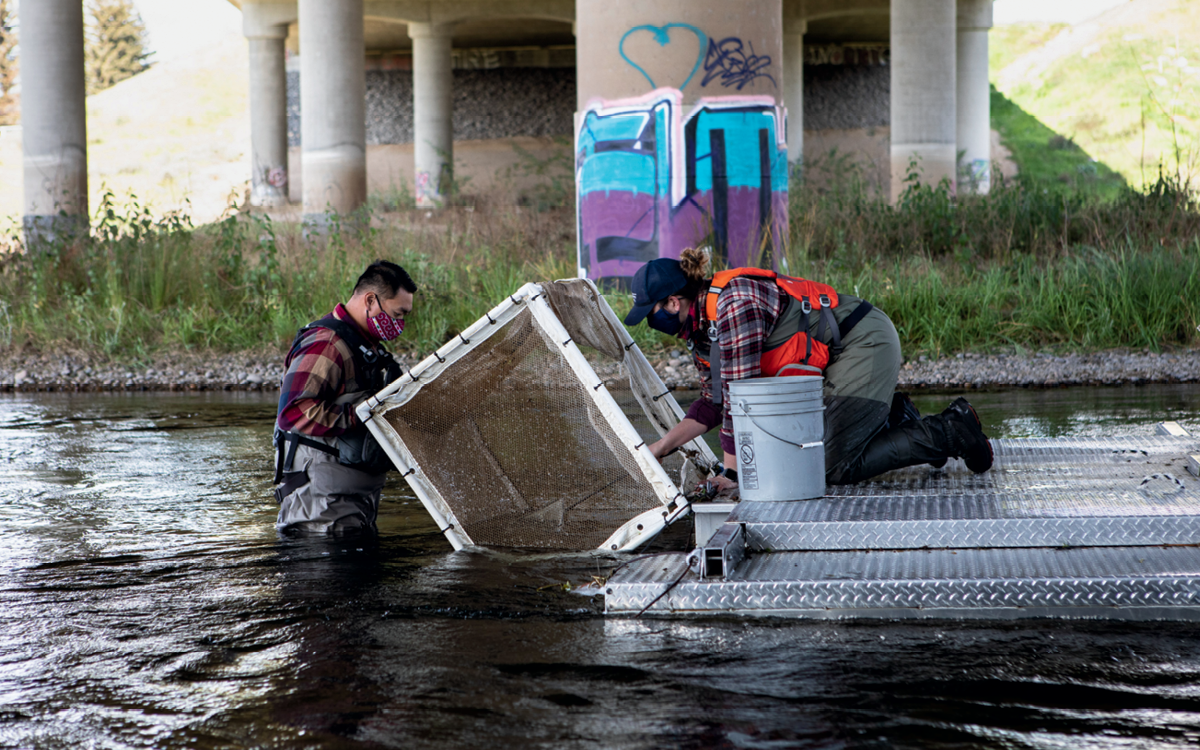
x: 517, y: 447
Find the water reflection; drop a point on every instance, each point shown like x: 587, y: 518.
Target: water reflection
x: 148, y: 603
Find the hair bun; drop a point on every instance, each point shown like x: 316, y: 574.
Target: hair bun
x: 694, y: 262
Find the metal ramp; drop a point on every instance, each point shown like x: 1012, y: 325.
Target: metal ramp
x: 1070, y: 527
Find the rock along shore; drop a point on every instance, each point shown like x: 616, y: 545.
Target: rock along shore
x: 25, y: 371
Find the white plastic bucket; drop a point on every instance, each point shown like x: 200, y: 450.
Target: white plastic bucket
x: 778, y: 430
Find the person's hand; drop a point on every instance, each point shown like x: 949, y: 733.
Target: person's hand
x: 720, y: 483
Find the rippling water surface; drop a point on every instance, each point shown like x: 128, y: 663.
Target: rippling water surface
x: 148, y: 603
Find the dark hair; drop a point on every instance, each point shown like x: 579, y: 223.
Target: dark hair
x: 385, y: 279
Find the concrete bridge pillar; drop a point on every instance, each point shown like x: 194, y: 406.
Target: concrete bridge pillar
x: 433, y: 111
x: 265, y: 26
x: 924, y: 115
x: 974, y: 96
x: 793, y: 80
x: 53, y: 119
x: 333, y: 107
x: 680, y: 133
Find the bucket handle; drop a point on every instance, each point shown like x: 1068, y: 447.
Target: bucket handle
x: 801, y: 446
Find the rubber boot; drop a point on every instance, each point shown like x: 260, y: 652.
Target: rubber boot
x: 966, y: 438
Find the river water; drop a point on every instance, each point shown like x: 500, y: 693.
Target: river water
x: 148, y: 603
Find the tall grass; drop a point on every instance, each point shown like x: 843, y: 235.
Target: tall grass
x: 1017, y: 268
x: 1023, y: 266
x: 141, y: 284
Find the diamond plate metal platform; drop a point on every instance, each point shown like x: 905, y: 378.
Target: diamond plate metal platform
x: 1073, y: 527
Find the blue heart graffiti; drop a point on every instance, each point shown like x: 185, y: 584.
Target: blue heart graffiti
x: 662, y: 36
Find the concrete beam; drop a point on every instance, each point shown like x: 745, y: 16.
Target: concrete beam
x: 263, y: 19
x: 424, y: 11
x: 818, y: 9
x: 333, y: 108
x: 53, y: 119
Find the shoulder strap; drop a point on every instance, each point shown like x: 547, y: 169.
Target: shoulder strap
x: 360, y: 348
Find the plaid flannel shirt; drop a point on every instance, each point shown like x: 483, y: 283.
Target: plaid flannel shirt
x: 317, y: 373
x: 747, y: 311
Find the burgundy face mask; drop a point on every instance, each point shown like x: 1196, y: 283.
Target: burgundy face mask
x: 385, y: 326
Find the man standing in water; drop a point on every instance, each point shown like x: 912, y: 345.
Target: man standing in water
x: 329, y: 470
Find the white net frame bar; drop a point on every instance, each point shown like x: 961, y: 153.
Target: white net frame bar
x: 651, y: 394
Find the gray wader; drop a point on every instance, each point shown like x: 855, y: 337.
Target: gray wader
x: 859, y: 387
x: 321, y: 496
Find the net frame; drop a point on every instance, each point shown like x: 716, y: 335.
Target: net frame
x: 655, y: 399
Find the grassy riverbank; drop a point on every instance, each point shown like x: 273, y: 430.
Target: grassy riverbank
x: 1022, y: 267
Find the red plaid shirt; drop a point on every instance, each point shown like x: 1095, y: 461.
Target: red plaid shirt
x: 318, y: 373
x: 747, y: 311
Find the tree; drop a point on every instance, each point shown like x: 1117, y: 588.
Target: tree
x: 9, y: 111
x: 114, y: 43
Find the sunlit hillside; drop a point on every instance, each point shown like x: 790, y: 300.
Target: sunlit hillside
x: 1124, y: 86
x: 177, y: 131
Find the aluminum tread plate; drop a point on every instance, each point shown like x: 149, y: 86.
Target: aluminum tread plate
x: 1128, y: 583
x: 1041, y: 492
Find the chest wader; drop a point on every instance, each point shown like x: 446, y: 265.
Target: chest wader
x: 954, y: 433
x: 356, y: 448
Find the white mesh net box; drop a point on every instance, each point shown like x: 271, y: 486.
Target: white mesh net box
x: 510, y: 437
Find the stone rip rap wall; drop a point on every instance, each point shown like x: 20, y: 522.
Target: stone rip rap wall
x: 499, y: 103
x: 538, y: 102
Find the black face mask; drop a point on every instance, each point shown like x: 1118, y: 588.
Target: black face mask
x: 663, y: 321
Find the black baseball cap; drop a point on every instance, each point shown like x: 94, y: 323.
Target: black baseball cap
x: 653, y: 283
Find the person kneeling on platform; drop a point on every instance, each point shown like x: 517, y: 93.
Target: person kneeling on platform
x: 329, y: 470
x: 750, y: 322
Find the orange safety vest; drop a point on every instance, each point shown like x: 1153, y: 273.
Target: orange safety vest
x: 789, y: 345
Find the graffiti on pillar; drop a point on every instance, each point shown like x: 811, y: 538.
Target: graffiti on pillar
x: 732, y: 63
x: 277, y: 177
x: 426, y: 191
x: 653, y: 179
x: 683, y: 68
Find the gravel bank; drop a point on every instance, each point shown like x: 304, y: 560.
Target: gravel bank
x: 27, y: 371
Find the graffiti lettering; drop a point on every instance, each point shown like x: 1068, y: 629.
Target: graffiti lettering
x: 653, y: 179
x: 731, y: 64
x: 836, y: 54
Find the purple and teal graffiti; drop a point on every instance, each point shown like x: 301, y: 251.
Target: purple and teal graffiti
x: 653, y: 180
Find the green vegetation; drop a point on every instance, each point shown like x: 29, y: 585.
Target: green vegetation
x: 1048, y: 158
x: 1009, y: 42
x: 114, y: 43
x: 1029, y: 265
x: 1125, y: 92
x: 143, y: 284
x: 1023, y: 267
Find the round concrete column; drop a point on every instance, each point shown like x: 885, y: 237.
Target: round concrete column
x: 268, y: 120
x: 433, y: 112
x: 924, y: 118
x: 332, y: 107
x: 793, y: 81
x: 974, y: 96
x: 53, y: 118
